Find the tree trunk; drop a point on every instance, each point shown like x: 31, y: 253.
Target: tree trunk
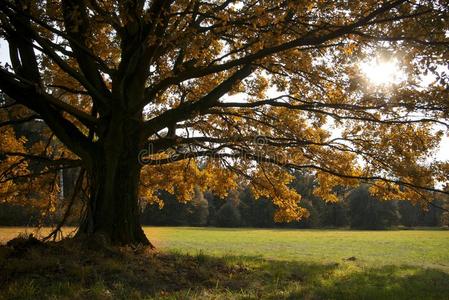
x: 113, y: 208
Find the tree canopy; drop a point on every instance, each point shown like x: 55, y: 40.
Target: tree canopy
x: 175, y: 95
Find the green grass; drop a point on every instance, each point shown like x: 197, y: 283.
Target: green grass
x: 426, y: 248
x: 209, y: 263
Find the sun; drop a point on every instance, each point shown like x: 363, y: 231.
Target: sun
x: 382, y: 72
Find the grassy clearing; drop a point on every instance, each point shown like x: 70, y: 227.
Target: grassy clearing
x: 197, y: 263
x: 425, y: 248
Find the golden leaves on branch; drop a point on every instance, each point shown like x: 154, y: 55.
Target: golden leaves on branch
x: 10, y: 165
x: 272, y: 182
x: 24, y: 179
x: 182, y: 177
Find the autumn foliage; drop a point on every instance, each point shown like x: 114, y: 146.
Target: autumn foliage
x: 178, y: 95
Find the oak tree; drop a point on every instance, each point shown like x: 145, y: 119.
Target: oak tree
x: 176, y: 95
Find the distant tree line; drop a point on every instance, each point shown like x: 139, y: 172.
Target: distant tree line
x: 356, y: 209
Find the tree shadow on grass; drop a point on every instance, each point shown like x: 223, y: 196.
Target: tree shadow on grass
x: 66, y: 270
x: 386, y: 282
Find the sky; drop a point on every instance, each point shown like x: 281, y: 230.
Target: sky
x: 443, y: 153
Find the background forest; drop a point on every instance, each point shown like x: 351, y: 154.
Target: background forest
x: 355, y: 208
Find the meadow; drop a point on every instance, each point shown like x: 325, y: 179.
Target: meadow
x: 217, y: 263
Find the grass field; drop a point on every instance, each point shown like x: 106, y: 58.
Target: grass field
x: 426, y: 248
x: 212, y: 263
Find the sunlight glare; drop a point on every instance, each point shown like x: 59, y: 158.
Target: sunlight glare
x: 382, y: 72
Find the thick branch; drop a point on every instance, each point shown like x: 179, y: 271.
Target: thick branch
x: 19, y: 121
x: 34, y: 99
x: 76, y: 23
x: 309, y: 39
x: 186, y: 110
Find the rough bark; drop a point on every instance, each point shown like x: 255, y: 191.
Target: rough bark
x: 113, y: 208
